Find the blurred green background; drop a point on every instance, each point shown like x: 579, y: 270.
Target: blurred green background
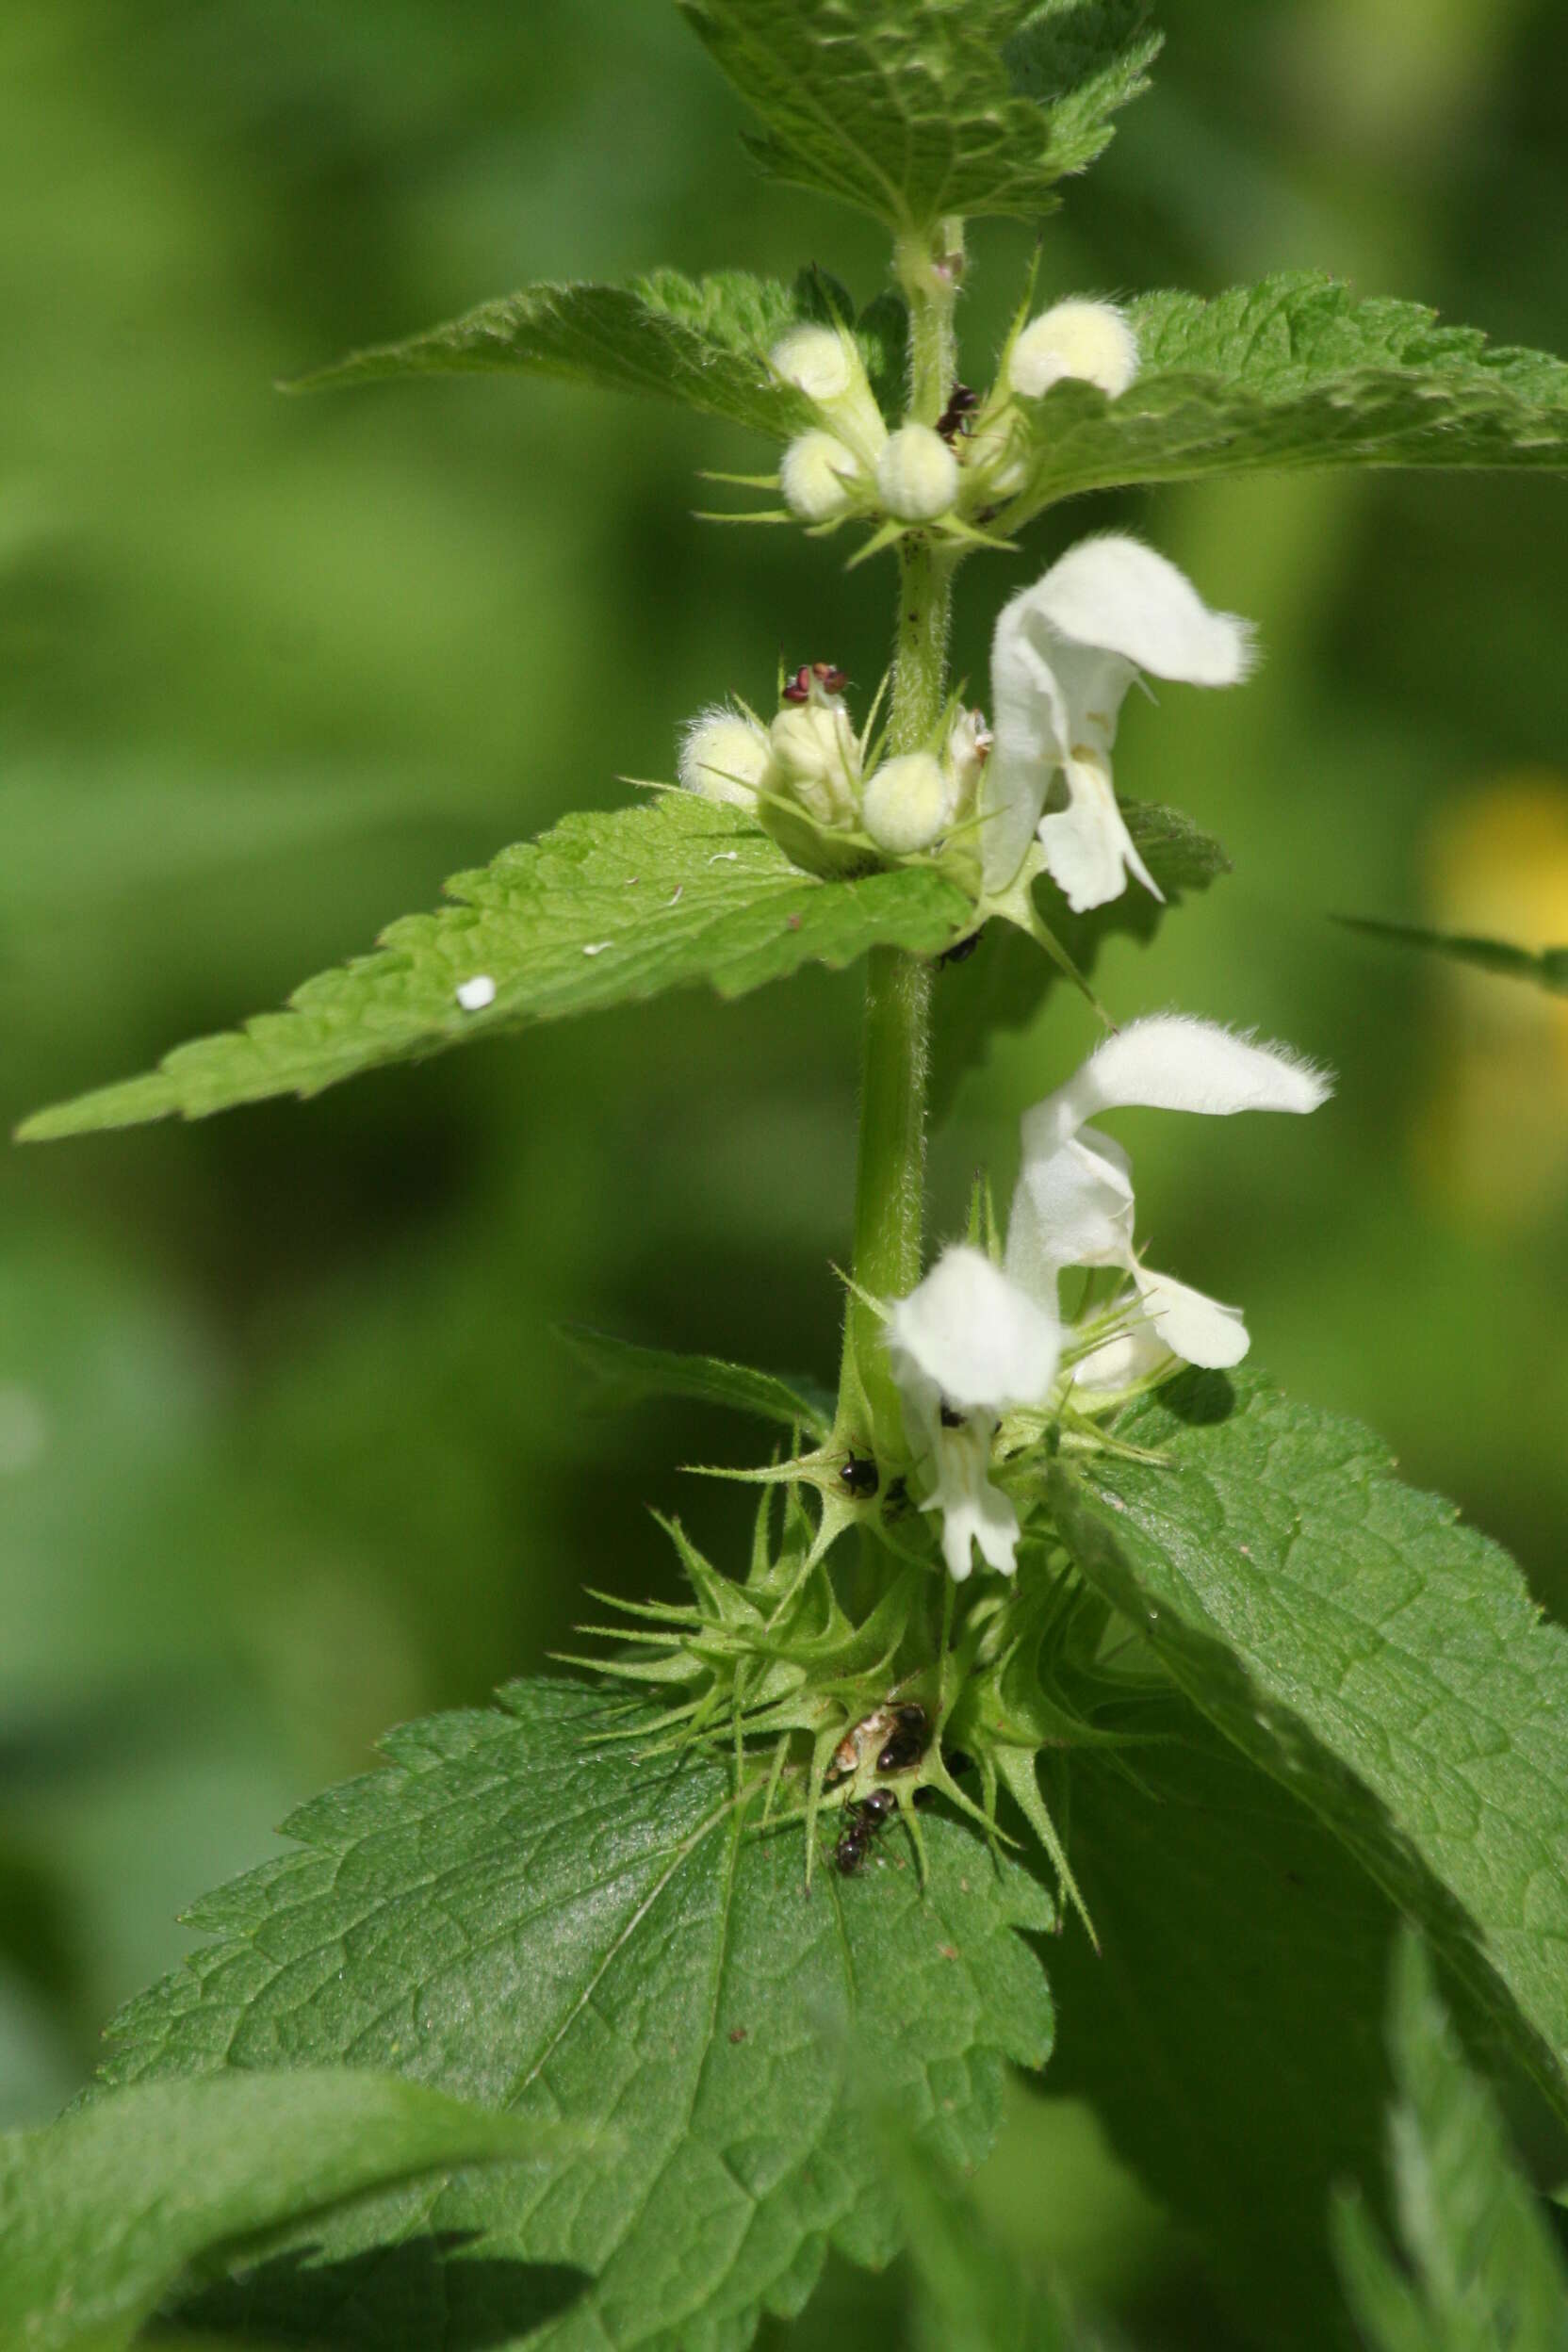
x: 288, y: 1450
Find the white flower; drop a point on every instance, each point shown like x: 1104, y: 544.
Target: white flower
x: 820, y: 477
x: 1091, y: 341
x: 723, y: 756
x: 917, y: 474
x: 965, y: 1347
x: 1063, y: 657
x: 1074, y: 1206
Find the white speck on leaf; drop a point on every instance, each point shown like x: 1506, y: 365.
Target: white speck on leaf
x: 674, y: 899
x: 595, y: 947
x: 475, y: 994
x: 725, y: 858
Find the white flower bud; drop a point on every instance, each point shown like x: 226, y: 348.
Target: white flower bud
x: 816, y: 760
x: 819, y: 477
x: 917, y: 474
x: 968, y: 744
x: 816, y: 361
x: 1091, y: 341
x: 907, y: 803
x: 724, y: 755
x: 996, y: 456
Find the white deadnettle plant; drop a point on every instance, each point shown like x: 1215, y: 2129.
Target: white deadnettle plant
x: 974, y: 1341
x: 1064, y: 655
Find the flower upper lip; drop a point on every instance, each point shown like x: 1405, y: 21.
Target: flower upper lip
x: 1064, y: 652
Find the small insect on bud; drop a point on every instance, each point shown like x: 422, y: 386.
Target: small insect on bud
x: 1090, y: 342
x: 723, y: 756
x: 815, y: 360
x: 961, y: 404
x: 819, y: 478
x: 917, y: 474
x: 907, y: 803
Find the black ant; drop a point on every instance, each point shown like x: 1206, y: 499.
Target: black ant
x: 962, y: 402
x: 866, y: 1820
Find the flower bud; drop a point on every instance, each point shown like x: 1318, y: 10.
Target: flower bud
x: 1091, y: 341
x: 917, y: 474
x: 964, y: 756
x: 819, y: 478
x: 816, y: 361
x: 996, y: 456
x: 907, y: 803
x: 816, y: 761
x: 724, y: 755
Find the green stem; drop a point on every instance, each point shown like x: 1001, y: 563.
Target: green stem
x: 890, y: 1191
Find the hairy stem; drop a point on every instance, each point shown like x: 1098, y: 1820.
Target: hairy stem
x: 889, y: 1191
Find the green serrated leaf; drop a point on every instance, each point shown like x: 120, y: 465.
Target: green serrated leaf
x: 915, y: 108
x: 1244, y: 1955
x: 1006, y: 980
x: 606, y: 909
x: 1546, y: 967
x: 102, y: 2212
x: 536, y: 1919
x: 1292, y: 373
x: 624, y: 1373
x: 1383, y: 1662
x: 702, y: 342
x: 1487, y: 2269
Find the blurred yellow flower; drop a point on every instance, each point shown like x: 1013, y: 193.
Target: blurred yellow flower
x: 1493, y: 1143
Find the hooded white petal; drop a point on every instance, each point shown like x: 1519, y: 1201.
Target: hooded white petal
x: 1073, y: 1206
x: 1116, y: 595
x: 1197, y: 1328
x: 972, y: 1337
x: 1063, y: 657
x: 1171, y: 1062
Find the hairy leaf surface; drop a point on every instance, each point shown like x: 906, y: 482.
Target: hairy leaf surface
x: 605, y: 909
x: 702, y: 342
x: 537, y: 1919
x: 1243, y: 1961
x: 913, y: 109
x: 1546, y: 967
x: 1295, y: 372
x: 1383, y: 1662
x: 101, y: 2213
x: 1487, y: 2268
